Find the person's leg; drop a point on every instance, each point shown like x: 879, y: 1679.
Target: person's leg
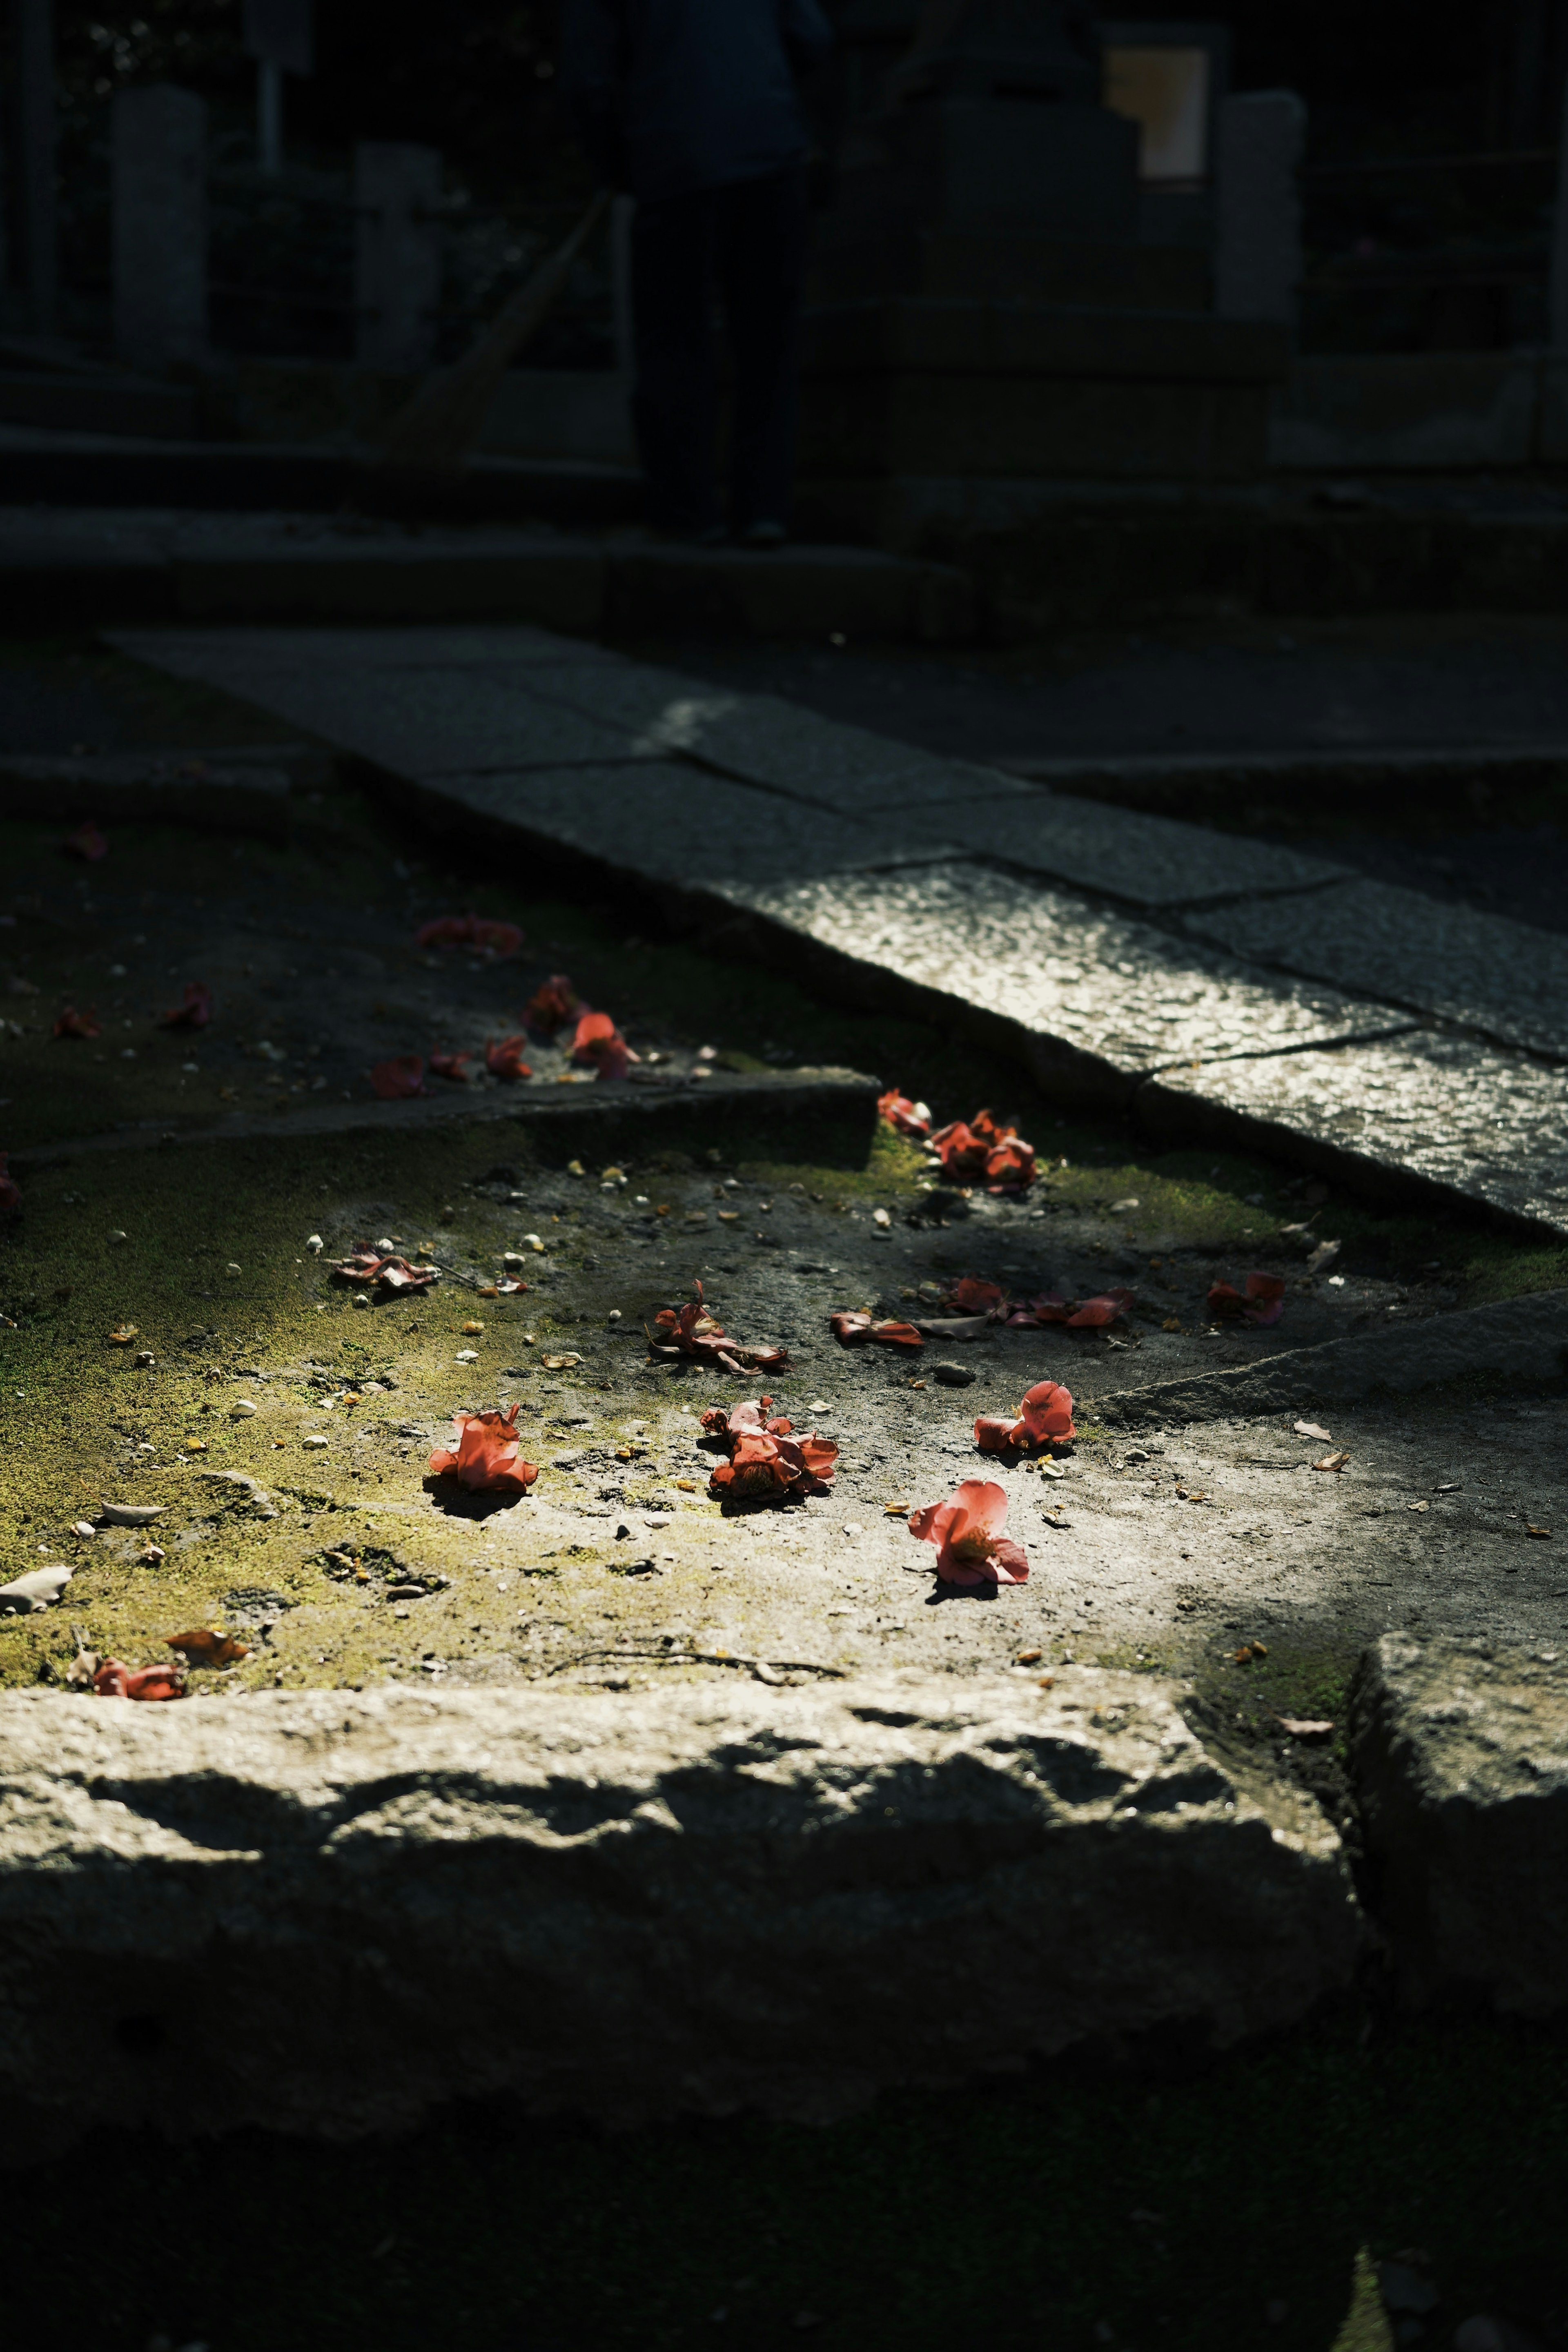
x: 674, y: 394
x: 761, y: 266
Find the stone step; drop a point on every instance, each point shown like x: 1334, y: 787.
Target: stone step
x: 127, y: 407
x: 1411, y: 1049
x: 65, y: 569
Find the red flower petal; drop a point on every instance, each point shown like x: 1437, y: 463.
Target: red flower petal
x: 853, y: 1327
x: 1107, y: 1307
x: 477, y: 931
x: 973, y: 1296
x: 967, y: 1532
x: 194, y: 1012
x: 993, y: 1434
x: 484, y: 1454
x: 598, y: 1041
x: 1223, y: 1299
x: 1046, y: 1412
x: 449, y: 1066
x: 73, y: 1023
x: 86, y: 842
x: 908, y: 1118
x: 396, y: 1080
x: 503, y: 1057
x: 114, y: 1680
x: 552, y: 1004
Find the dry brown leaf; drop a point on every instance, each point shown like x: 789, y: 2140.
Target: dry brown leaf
x: 472, y: 1330
x: 1028, y: 1657
x: 559, y: 1363
x: 1314, y: 1429
x: 123, y: 1335
x: 1543, y: 1532
x: 1305, y: 1727
x: 1332, y: 1462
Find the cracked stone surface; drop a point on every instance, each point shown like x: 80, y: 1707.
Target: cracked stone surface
x: 1109, y: 989
x: 1504, y: 979
x: 1463, y: 1116
x: 409, y: 1898
x: 1461, y: 1746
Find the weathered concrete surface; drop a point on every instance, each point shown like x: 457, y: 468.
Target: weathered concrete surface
x: 324, y: 1913
x: 1092, y: 999
x: 1508, y: 981
x: 1461, y: 1754
x: 1422, y: 1112
x: 1526, y: 1339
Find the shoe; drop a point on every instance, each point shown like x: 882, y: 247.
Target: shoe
x: 763, y: 535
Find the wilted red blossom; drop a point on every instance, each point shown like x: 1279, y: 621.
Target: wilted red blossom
x: 10, y: 1190
x: 202, y: 1646
x: 1046, y: 1306
x: 449, y: 1066
x: 553, y: 1003
x: 73, y: 1023
x: 960, y: 1151
x: 194, y: 1012
x: 393, y: 1274
x: 1262, y: 1304
x: 766, y: 1462
x: 967, y: 1532
x: 113, y: 1680
x: 1107, y: 1307
x: 477, y: 931
x: 599, y: 1042
x: 690, y: 1330
x: 484, y: 1452
x: 982, y: 1146
x: 908, y: 1118
x: 854, y: 1327
x: 972, y: 1297
x: 399, y: 1079
x: 86, y: 842
x: 1045, y: 1418
x: 503, y: 1057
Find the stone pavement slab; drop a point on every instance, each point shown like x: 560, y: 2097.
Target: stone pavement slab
x: 1419, y: 1110
x: 689, y: 1900
x: 651, y: 821
x: 1506, y: 980
x: 1461, y: 1754
x: 232, y: 657
x: 1146, y: 861
x: 1524, y: 1340
x: 1078, y: 991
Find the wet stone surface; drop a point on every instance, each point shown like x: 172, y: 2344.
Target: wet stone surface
x: 1505, y: 979
x: 1466, y: 1116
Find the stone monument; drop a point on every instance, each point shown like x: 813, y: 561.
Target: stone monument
x: 985, y: 308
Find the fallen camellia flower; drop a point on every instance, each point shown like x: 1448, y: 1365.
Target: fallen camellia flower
x: 194, y: 1012
x: 1110, y: 1307
x: 853, y: 1327
x: 484, y: 1454
x: 599, y: 1042
x: 449, y: 1066
x: 1046, y: 1306
x: 1045, y: 1418
x: 202, y: 1647
x: 690, y: 1330
x: 86, y: 842
x: 970, y: 1296
x: 982, y: 1146
x: 503, y: 1057
x: 477, y: 931
x: 399, y: 1079
x: 967, y: 1532
x: 908, y: 1118
x: 393, y: 1274
x: 114, y: 1680
x: 766, y: 1460
x: 73, y: 1023
x: 1262, y: 1303
x: 553, y: 1003
x: 10, y: 1190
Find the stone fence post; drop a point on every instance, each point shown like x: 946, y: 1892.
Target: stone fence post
x: 158, y: 231
x: 1259, y: 138
x: 397, y: 253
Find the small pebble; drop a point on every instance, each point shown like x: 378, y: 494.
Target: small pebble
x: 232, y: 1268
x: 361, y: 1298
x: 881, y: 1220
x: 241, y: 1407
x: 315, y: 1244
x: 118, y: 1236
x: 467, y: 1356
x: 954, y: 1376
x: 314, y: 1440
x: 153, y: 1557
x: 145, y: 1360
x: 83, y: 1528
x: 614, y: 1315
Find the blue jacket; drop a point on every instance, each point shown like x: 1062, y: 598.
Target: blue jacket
x: 670, y: 96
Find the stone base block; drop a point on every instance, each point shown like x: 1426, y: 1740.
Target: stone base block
x: 322, y: 1912
x: 1461, y: 1753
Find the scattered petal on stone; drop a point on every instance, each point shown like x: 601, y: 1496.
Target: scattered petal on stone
x: 400, y: 1078
x: 598, y: 1043
x: 204, y: 1647
x: 450, y: 1065
x: 113, y: 1680
x: 194, y: 1009
x: 967, y: 1532
x: 484, y: 1454
x: 908, y: 1118
x: 767, y: 1461
x: 477, y: 932
x: 853, y: 1327
x: 503, y: 1057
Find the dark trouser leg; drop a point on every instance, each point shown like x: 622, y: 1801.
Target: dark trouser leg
x: 675, y: 397
x: 761, y: 231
